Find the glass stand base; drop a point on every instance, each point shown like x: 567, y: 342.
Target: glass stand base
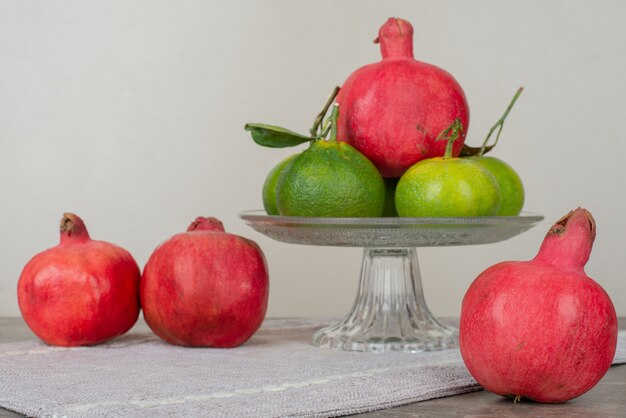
x: 390, y: 313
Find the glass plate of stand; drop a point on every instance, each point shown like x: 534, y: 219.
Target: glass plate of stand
x: 390, y: 312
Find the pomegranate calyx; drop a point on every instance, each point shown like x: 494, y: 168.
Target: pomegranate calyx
x: 72, y: 227
x: 569, y: 241
x: 206, y: 224
x: 396, y: 39
x: 560, y: 226
x: 397, y: 21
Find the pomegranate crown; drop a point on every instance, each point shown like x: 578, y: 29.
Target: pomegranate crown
x: 569, y: 241
x: 396, y: 38
x: 72, y: 228
x: 206, y: 224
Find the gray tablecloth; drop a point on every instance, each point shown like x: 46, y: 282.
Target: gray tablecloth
x: 277, y: 373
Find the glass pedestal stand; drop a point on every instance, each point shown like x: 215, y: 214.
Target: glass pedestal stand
x: 390, y: 312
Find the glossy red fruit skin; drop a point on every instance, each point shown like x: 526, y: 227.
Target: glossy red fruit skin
x: 205, y: 287
x: 393, y: 110
x: 81, y: 292
x: 541, y: 329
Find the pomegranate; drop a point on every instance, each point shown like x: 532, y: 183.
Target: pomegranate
x: 541, y: 329
x: 393, y: 110
x: 205, y: 287
x: 81, y: 292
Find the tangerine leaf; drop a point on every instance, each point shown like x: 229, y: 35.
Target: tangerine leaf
x: 468, y: 151
x: 275, y: 136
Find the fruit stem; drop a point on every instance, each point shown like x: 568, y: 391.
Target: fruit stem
x: 451, y: 134
x: 320, y: 116
x: 326, y: 128
x: 500, y: 123
x: 334, y: 115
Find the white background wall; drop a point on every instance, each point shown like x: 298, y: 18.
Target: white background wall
x: 130, y: 114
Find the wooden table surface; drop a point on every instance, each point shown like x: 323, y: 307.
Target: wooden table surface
x: 607, y: 399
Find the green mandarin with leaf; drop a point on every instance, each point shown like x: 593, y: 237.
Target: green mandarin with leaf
x: 447, y: 186
x: 328, y: 179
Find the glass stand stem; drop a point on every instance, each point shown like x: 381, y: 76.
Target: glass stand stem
x: 390, y: 312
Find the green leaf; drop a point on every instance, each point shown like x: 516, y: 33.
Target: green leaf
x: 275, y: 136
x: 468, y: 151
